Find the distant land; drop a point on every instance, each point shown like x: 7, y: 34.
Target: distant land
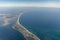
x: 28, y: 35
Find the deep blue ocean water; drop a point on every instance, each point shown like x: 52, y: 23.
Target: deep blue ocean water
x: 44, y: 23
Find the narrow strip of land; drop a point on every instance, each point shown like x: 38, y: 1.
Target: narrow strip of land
x: 27, y: 34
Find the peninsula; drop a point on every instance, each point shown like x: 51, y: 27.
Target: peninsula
x: 27, y: 34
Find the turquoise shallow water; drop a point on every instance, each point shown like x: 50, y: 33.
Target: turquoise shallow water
x: 8, y: 33
x: 44, y: 23
x: 7, y: 16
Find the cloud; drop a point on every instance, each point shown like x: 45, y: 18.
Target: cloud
x: 35, y: 4
x: 7, y: 19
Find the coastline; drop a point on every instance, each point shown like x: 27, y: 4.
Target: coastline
x: 27, y: 34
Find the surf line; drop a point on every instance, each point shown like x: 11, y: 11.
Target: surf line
x: 26, y: 33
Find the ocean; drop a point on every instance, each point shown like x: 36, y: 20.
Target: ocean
x: 43, y: 22
x: 8, y: 33
x: 7, y: 21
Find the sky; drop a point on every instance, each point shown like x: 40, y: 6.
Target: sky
x: 28, y: 0
x: 30, y: 3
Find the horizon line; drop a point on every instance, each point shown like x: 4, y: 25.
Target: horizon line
x: 29, y: 4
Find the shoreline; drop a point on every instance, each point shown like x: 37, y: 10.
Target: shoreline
x: 26, y: 33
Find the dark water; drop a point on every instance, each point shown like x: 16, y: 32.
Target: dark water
x: 8, y: 33
x: 44, y: 23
